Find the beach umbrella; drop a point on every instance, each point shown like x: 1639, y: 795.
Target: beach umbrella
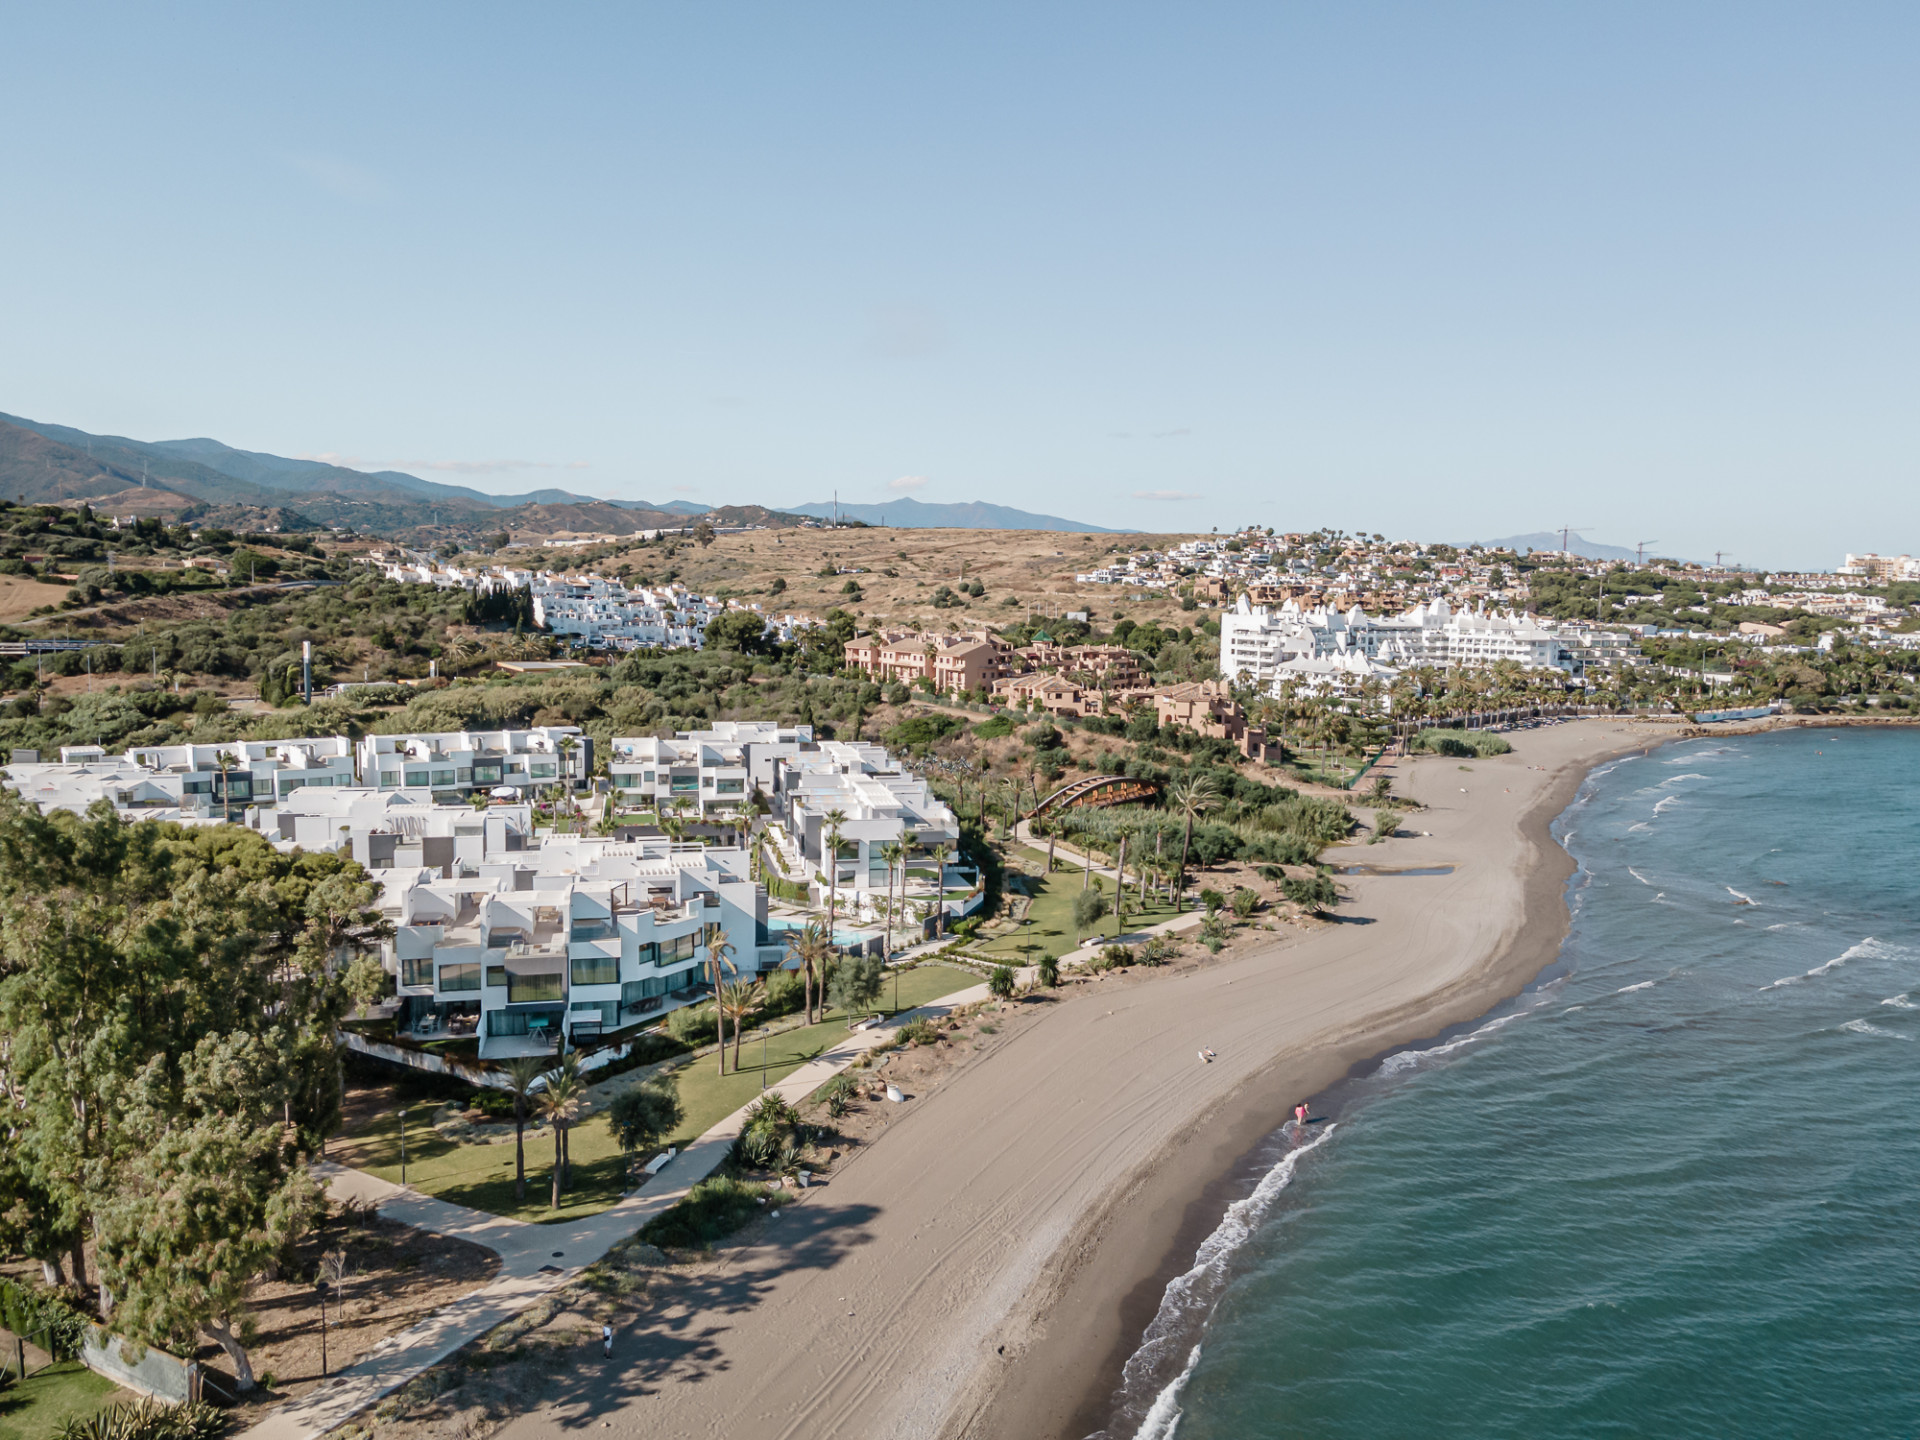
x: 505, y: 792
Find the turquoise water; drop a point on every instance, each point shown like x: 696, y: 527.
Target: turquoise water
x: 1669, y: 1191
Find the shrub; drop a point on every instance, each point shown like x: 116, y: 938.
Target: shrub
x: 1047, y: 972
x: 147, y: 1420
x: 1316, y: 894
x: 713, y: 1209
x: 1000, y: 982
x: 994, y: 729
x: 836, y: 1093
x: 1462, y: 744
x: 1213, y: 900
x: 1112, y: 957
x: 920, y: 730
x: 1158, y: 949
x: 1245, y: 902
x: 43, y: 1316
x: 694, y: 1025
x: 920, y: 1032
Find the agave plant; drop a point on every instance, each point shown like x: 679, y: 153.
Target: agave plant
x: 147, y: 1420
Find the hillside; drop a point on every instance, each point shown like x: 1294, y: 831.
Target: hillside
x: 206, y: 480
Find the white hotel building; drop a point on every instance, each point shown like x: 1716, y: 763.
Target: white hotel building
x: 1264, y: 644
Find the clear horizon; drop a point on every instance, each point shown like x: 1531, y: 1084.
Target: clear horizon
x: 1443, y: 276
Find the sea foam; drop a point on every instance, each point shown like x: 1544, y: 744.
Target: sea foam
x: 1190, y: 1296
x: 1407, y: 1059
x: 1861, y: 1027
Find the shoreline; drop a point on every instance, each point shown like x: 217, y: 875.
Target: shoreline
x: 985, y: 1268
x: 1120, y: 1271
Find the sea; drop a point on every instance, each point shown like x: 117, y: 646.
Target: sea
x: 1672, y: 1189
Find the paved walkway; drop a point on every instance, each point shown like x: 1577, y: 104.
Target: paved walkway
x: 534, y: 1259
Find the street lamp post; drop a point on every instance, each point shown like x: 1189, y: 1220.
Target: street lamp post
x: 321, y: 1286
x: 403, y: 1147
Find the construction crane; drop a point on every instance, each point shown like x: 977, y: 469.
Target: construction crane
x: 1640, y: 553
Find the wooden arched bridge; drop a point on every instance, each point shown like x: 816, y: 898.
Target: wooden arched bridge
x: 1096, y: 793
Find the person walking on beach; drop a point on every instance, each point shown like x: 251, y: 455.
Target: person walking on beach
x: 1300, y: 1114
x: 606, y: 1341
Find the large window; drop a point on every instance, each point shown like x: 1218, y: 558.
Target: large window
x: 514, y: 1022
x: 443, y: 777
x: 730, y: 787
x: 543, y: 770
x: 389, y: 779
x: 416, y: 972
x: 523, y: 988
x: 496, y: 975
x: 682, y: 948
x: 416, y: 777
x: 459, y: 977
x: 649, y: 954
x: 593, y: 929
x: 596, y: 969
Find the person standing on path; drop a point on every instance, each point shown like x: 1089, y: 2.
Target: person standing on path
x: 606, y: 1341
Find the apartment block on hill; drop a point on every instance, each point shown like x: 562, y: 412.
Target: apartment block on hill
x: 451, y: 765
x: 704, y: 770
x: 951, y: 664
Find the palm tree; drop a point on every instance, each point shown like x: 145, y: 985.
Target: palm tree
x: 227, y: 761
x: 834, y: 819
x: 566, y: 746
x: 735, y: 1002
x: 522, y: 1074
x: 720, y: 951
x: 811, y: 946
x: 1190, y: 796
x: 895, y: 854
x: 560, y: 1103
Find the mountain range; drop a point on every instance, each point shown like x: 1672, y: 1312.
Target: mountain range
x: 1550, y: 540
x: 907, y: 513
x: 251, y: 490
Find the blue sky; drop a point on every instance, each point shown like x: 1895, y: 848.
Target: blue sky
x: 1448, y: 271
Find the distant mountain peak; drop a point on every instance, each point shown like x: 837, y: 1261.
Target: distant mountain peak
x: 907, y: 513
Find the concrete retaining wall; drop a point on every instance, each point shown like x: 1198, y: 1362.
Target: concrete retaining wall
x: 165, y: 1377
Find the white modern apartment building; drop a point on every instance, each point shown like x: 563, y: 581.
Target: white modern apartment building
x: 194, y: 781
x: 397, y: 830
x: 882, y: 803
x: 608, y: 615
x: 701, y: 770
x: 449, y: 765
x: 1259, y: 643
x: 579, y: 938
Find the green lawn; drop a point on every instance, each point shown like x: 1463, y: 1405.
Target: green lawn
x: 42, y: 1403
x: 1048, y: 928
x: 481, y: 1176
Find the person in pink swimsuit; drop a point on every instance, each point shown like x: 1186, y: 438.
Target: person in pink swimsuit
x: 1300, y: 1114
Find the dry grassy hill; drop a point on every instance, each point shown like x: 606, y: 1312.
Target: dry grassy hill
x: 897, y: 571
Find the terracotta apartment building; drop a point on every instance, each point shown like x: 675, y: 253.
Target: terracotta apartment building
x: 953, y: 664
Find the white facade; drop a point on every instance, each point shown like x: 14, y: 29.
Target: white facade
x: 582, y: 937
x: 704, y: 770
x: 883, y: 804
x: 1259, y: 643
x: 187, y: 781
x: 452, y: 764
